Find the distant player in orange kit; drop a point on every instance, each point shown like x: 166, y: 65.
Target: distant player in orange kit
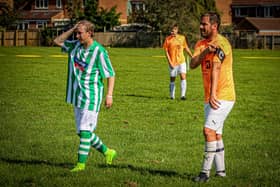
x: 174, y: 46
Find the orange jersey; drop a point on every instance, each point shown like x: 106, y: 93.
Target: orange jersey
x: 175, y: 46
x: 225, y: 89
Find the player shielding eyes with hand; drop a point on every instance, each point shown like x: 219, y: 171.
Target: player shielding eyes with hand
x: 88, y: 65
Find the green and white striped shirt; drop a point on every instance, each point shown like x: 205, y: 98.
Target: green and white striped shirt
x: 86, y: 70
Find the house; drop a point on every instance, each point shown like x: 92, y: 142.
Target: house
x: 254, y: 8
x: 257, y: 23
x: 39, y: 14
x: 260, y: 26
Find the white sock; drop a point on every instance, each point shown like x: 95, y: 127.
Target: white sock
x: 220, y: 158
x: 210, y: 151
x: 172, y: 89
x: 183, y: 87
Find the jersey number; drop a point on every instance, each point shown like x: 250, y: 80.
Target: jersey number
x: 207, y: 64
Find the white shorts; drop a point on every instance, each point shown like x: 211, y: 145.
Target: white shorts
x: 214, y: 119
x: 86, y: 120
x: 182, y: 68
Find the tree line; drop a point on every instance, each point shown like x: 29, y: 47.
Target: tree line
x: 159, y: 14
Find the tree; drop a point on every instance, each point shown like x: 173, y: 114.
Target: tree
x: 7, y: 16
x: 91, y: 11
x: 109, y: 18
x: 162, y: 14
x: 74, y: 10
x: 103, y: 19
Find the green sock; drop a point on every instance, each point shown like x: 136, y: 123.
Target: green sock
x: 84, y: 147
x: 97, y: 144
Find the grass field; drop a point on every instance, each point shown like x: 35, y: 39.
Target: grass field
x: 159, y: 141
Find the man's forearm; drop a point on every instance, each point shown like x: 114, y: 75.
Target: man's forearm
x: 111, y: 83
x: 197, y: 60
x: 215, y: 77
x: 189, y: 52
x: 59, y: 40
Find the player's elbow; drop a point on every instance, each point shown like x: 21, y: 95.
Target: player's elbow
x: 56, y: 42
x: 193, y: 64
x: 195, y: 61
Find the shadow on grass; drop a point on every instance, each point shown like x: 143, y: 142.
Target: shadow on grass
x: 137, y: 95
x: 145, y: 170
x: 142, y: 170
x: 36, y: 162
x: 145, y: 96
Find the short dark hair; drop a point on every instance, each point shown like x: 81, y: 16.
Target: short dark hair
x: 214, y: 17
x: 175, y: 25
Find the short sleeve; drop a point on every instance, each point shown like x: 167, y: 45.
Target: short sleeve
x: 106, y: 67
x: 68, y: 45
x: 223, y: 50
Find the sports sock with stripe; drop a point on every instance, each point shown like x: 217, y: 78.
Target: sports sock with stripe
x: 98, y: 144
x: 210, y: 151
x: 220, y: 157
x: 84, y: 146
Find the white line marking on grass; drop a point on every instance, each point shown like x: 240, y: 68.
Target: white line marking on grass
x: 29, y: 56
x: 261, y: 57
x: 58, y: 56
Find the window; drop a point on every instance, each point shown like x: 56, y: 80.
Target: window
x: 260, y: 12
x: 41, y: 24
x: 58, y: 4
x: 41, y: 4
x: 23, y: 26
x: 241, y: 12
x: 267, y: 12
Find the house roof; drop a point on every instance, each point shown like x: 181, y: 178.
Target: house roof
x: 255, y: 2
x: 260, y: 25
x: 38, y: 15
x: 265, y: 23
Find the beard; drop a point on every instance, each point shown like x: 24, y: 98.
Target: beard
x: 204, y: 33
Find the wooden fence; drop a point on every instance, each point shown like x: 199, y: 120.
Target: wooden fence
x: 254, y: 41
x: 20, y: 38
x: 130, y: 39
x: 115, y: 39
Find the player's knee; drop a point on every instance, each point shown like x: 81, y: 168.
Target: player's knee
x: 183, y: 76
x: 218, y: 137
x: 209, y: 134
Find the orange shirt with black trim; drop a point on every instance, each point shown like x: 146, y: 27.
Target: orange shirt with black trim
x: 225, y: 88
x: 175, y: 46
